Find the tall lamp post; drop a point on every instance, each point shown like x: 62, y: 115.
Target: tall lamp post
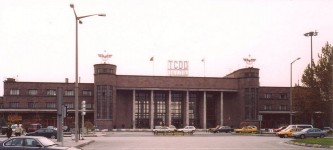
x: 291, y: 91
x: 311, y: 34
x: 77, y: 20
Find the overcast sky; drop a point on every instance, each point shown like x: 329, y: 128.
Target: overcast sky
x: 37, y: 37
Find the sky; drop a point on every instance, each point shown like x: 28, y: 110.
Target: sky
x: 37, y: 37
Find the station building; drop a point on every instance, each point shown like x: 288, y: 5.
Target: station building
x: 142, y: 102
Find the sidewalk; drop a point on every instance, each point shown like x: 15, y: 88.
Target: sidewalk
x: 70, y: 142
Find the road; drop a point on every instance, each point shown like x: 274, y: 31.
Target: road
x: 198, y: 141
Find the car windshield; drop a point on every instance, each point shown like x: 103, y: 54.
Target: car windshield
x: 305, y: 130
x: 46, y: 142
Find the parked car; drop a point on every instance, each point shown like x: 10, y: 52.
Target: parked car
x: 287, y: 132
x: 161, y: 129
x: 4, y: 130
x: 34, y: 127
x: 51, y: 127
x: 299, y: 126
x: 212, y: 129
x: 187, y: 129
x: 49, y: 133
x: 329, y: 130
x: 247, y: 129
x: 310, y: 132
x: 225, y: 129
x: 279, y: 129
x: 33, y: 143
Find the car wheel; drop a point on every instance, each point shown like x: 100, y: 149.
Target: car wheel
x: 322, y: 136
x: 53, y: 137
x: 302, y: 136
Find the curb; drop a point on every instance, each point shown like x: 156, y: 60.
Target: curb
x: 84, y: 144
x: 309, y: 145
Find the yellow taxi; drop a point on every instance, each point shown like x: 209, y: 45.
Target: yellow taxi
x: 286, y: 132
x: 247, y: 129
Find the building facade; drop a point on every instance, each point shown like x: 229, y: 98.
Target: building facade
x: 142, y: 102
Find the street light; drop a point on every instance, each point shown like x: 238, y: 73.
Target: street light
x: 291, y: 92
x: 311, y: 34
x: 77, y: 19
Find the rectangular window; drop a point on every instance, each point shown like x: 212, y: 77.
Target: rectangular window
x: 89, y: 106
x: 32, y: 105
x: 69, y: 93
x: 1, y: 106
x: 51, y: 92
x: 283, y: 107
x: 283, y: 96
x: 267, y: 107
x: 51, y: 105
x: 268, y: 95
x: 69, y: 105
x: 14, y: 92
x: 32, y: 92
x: 87, y: 93
x: 14, y: 104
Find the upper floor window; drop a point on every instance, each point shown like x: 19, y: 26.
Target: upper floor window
x: 89, y: 106
x: 283, y: 107
x: 32, y: 105
x: 51, y: 92
x: 14, y: 92
x: 69, y: 105
x: 69, y: 93
x: 50, y: 105
x: 268, y: 95
x: 267, y: 107
x: 1, y: 105
x: 283, y: 96
x: 87, y: 93
x: 14, y: 104
x: 32, y: 92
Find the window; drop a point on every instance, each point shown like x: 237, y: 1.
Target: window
x: 32, y: 105
x: 69, y: 105
x: 14, y: 92
x: 32, y: 92
x: 283, y: 96
x: 1, y: 105
x: 283, y: 107
x: 87, y: 93
x: 267, y: 107
x: 14, y: 104
x: 69, y: 93
x: 88, y: 106
x: 268, y: 95
x: 51, y: 92
x: 50, y: 105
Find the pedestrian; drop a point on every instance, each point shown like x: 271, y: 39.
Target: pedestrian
x: 9, y: 132
x: 18, y: 130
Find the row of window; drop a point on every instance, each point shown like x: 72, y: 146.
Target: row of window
x: 49, y: 105
x: 281, y: 107
x: 50, y: 92
x: 279, y: 96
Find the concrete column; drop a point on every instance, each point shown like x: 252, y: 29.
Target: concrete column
x: 187, y: 118
x: 169, y: 109
x: 221, y: 108
x: 152, y: 110
x: 204, y: 117
x: 134, y: 110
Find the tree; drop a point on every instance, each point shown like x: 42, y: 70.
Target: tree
x: 318, y: 82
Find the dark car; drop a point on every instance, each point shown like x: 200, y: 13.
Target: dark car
x: 46, y: 132
x: 34, y: 127
x: 4, y: 130
x: 225, y: 129
x: 27, y: 143
x: 310, y: 132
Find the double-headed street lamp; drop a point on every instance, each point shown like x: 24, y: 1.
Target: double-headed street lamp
x: 311, y: 34
x: 291, y: 92
x: 77, y: 20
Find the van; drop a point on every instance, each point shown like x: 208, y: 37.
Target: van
x: 34, y: 127
x: 299, y: 126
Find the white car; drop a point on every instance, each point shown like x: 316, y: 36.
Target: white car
x: 187, y: 129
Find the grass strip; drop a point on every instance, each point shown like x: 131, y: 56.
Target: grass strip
x: 320, y: 141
